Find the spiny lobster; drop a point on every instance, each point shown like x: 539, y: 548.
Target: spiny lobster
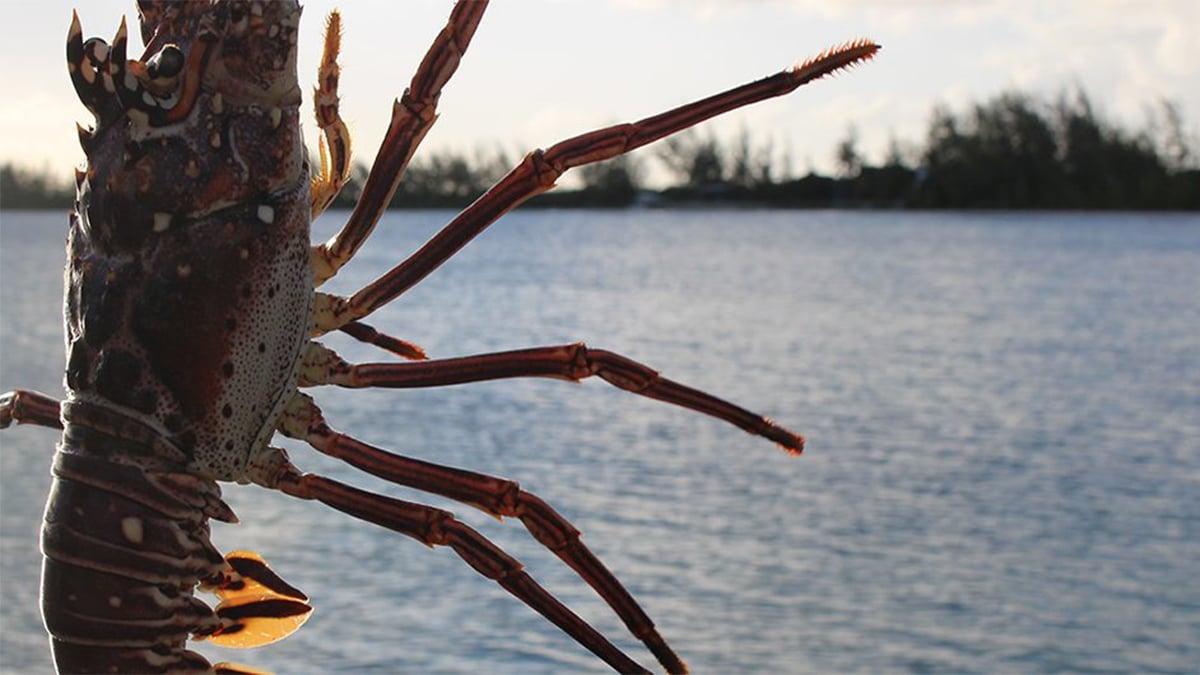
x: 191, y: 319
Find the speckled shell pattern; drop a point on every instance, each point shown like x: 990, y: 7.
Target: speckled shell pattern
x: 188, y: 296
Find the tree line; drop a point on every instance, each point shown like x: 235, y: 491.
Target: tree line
x: 1010, y: 152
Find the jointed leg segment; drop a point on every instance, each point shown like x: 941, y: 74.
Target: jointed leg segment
x: 29, y: 407
x: 569, y: 362
x: 334, y: 141
x: 496, y: 496
x: 435, y: 527
x: 402, y: 348
x: 540, y: 169
x: 412, y: 117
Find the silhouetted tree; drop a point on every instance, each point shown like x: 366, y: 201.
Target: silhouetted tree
x: 749, y: 166
x: 695, y: 159
x: 1013, y: 152
x: 613, y: 182
x: 28, y: 189
x: 849, y: 160
x: 1008, y: 152
x: 450, y: 178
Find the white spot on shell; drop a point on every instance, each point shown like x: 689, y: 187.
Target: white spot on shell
x: 266, y: 213
x: 273, y: 30
x: 276, y: 117
x: 114, y: 601
x: 215, y: 139
x: 162, y: 221
x: 217, y: 103
x: 244, y: 253
x: 157, y: 597
x: 132, y: 529
x: 184, y: 270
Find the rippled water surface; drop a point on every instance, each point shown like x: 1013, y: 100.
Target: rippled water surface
x: 1003, y: 472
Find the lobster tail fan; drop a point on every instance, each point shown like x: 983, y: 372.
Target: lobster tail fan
x: 257, y: 606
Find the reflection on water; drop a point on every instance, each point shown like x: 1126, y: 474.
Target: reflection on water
x: 1002, y: 475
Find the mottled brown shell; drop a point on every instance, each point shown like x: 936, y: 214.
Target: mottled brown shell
x: 188, y: 276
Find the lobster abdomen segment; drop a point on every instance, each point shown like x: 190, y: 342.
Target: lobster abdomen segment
x: 124, y: 546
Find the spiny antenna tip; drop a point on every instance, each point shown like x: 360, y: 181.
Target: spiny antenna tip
x: 833, y: 59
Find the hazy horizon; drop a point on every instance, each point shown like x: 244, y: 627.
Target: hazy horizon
x: 542, y: 70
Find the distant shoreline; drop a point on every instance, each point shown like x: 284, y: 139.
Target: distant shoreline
x: 1012, y: 152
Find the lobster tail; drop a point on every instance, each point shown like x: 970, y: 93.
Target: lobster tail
x: 117, y: 587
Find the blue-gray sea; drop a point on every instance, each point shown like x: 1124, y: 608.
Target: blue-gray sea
x: 1003, y: 471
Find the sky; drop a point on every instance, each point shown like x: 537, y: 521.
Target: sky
x: 539, y: 71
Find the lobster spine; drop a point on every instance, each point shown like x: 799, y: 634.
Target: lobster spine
x: 117, y: 585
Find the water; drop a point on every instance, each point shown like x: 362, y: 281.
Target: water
x: 1003, y: 471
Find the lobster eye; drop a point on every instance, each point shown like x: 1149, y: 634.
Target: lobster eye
x: 96, y: 50
x: 167, y: 63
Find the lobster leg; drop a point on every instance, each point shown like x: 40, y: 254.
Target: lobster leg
x: 541, y: 168
x: 335, y: 137
x: 435, y: 527
x: 412, y: 117
x: 569, y: 362
x: 498, y: 497
x: 402, y: 348
x: 29, y: 407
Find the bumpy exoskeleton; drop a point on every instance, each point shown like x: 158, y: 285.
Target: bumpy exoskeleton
x: 188, y: 288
